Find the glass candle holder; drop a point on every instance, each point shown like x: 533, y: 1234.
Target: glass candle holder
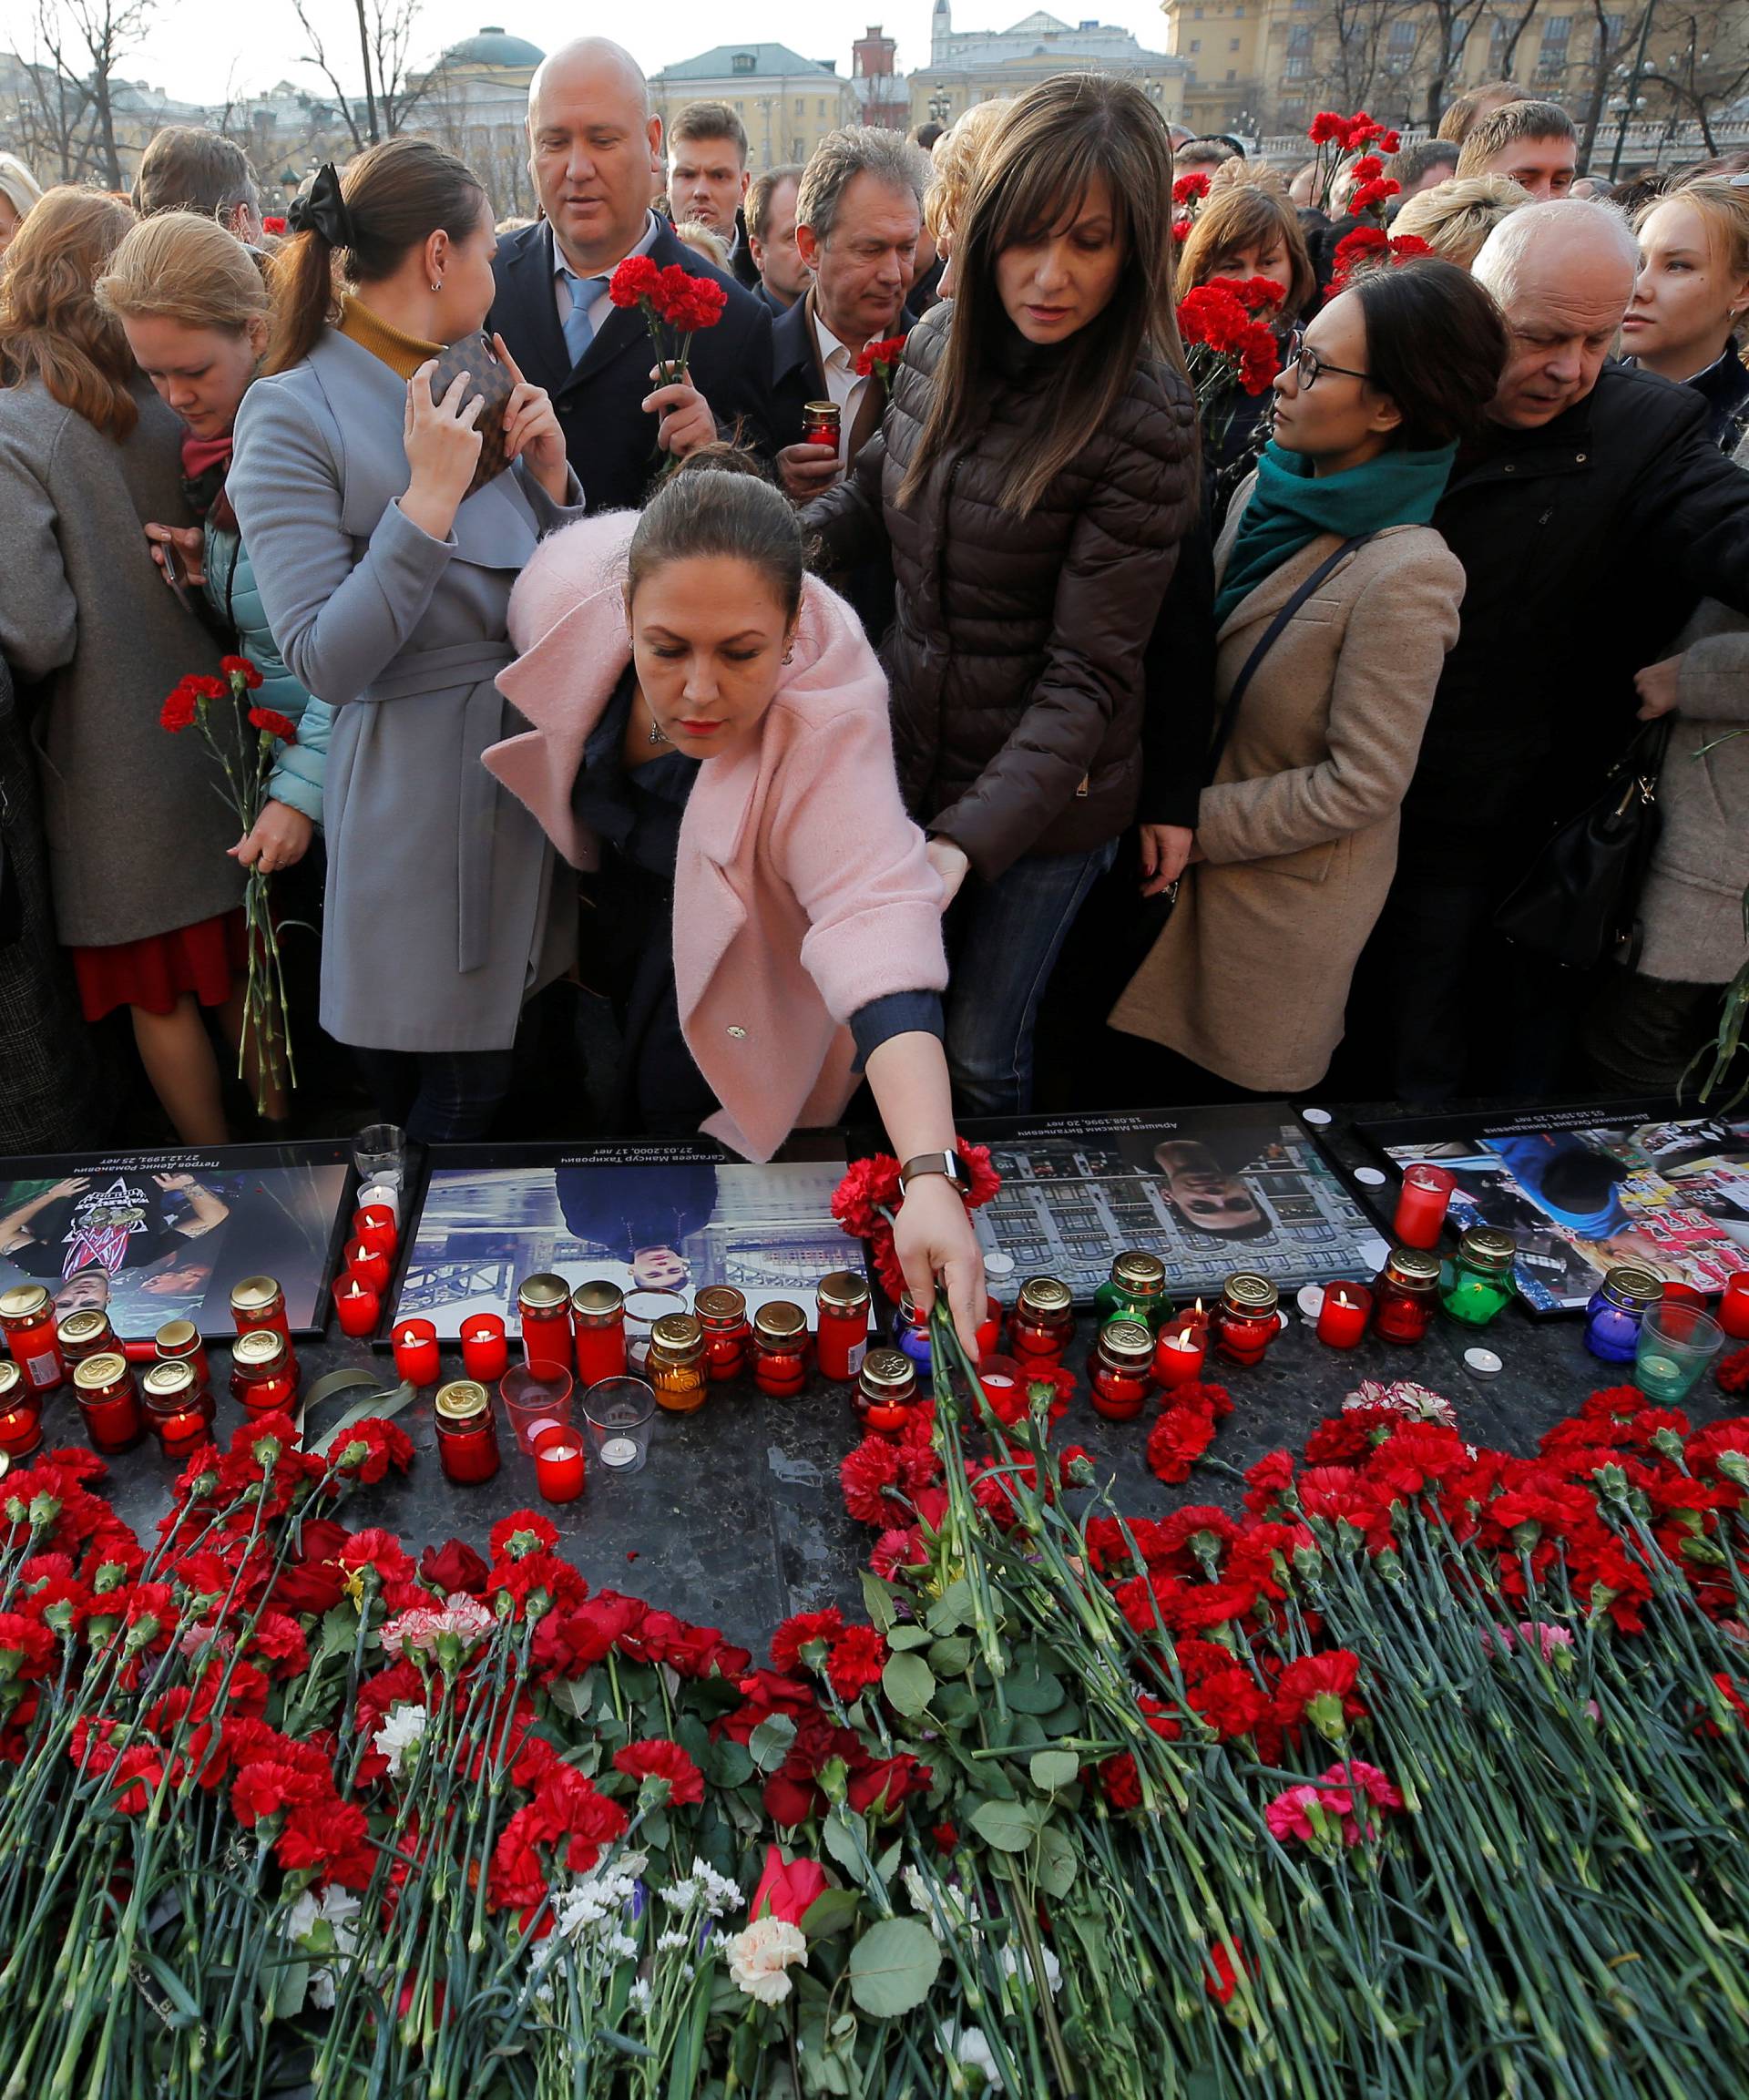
x: 722, y: 1311
x: 1343, y: 1316
x: 1181, y: 1353
x: 676, y: 1365
x: 911, y: 1333
x: 544, y: 1303
x: 372, y: 1270
x: 535, y: 1400
x: 1121, y: 1368
x: 486, y: 1347
x: 28, y: 1321
x: 1733, y: 1306
x: 415, y: 1351
x: 108, y: 1400
x: 1422, y: 1203
x: 1135, y: 1290
x: 1042, y: 1324
x: 1245, y: 1320
x: 380, y: 1154
x: 643, y: 1309
x: 263, y: 1378
x: 598, y: 1332
x: 21, y: 1415
x: 1677, y: 1342
x: 1475, y: 1287
x: 780, y: 1348
x: 1405, y: 1294
x: 374, y: 1227
x: 619, y: 1414
x: 989, y: 1329
x: 886, y: 1391
x: 259, y: 1302
x: 467, y: 1439
x: 843, y: 1306
x: 178, y: 1411
x: 560, y: 1469
x: 1617, y: 1306
x: 1004, y: 1380
x: 82, y: 1334
x: 179, y: 1342
x: 357, y: 1306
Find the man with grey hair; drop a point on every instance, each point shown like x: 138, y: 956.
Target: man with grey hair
x: 858, y: 214
x: 592, y: 137
x: 1590, y: 518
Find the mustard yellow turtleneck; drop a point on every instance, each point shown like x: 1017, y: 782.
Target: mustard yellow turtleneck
x: 402, y: 354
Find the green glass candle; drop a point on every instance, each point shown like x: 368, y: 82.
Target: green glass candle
x: 1477, y: 1287
x: 1135, y: 1290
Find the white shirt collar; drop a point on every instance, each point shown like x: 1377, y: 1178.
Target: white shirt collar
x: 643, y: 247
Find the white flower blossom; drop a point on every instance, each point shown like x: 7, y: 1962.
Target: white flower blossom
x: 640, y: 1994
x: 1014, y: 1964
x: 322, y: 1925
x: 942, y: 1897
x: 971, y: 2050
x: 399, y: 1737
x: 761, y: 1956
x: 672, y: 1942
x: 718, y: 1894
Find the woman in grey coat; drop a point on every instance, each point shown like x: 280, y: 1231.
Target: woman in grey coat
x: 386, y: 575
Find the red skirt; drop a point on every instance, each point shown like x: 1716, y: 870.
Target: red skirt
x: 155, y: 972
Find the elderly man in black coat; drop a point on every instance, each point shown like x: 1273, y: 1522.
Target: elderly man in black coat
x: 592, y: 137
x: 1590, y: 520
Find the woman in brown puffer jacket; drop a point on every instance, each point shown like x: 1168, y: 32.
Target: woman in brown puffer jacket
x: 1035, y: 472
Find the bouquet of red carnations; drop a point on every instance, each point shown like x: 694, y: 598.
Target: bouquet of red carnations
x: 1337, y: 137
x: 1225, y: 343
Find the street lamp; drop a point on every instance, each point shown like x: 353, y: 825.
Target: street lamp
x: 940, y: 103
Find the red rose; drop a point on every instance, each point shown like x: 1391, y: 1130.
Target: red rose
x: 271, y: 723
x: 855, y: 1662
x: 240, y: 667
x: 658, y: 1758
x: 787, y: 1887
x: 454, y: 1569
x: 881, y: 1787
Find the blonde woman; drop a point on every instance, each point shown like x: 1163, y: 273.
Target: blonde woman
x: 18, y: 194
x: 957, y: 156
x: 1691, y: 295
x: 1456, y: 218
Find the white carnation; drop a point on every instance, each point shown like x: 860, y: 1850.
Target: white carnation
x: 972, y: 2050
x: 399, y: 1737
x: 759, y: 1956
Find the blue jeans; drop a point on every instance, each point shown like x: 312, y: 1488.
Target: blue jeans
x: 438, y: 1097
x: 1003, y: 941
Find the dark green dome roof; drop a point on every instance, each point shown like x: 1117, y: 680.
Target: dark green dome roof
x: 492, y: 46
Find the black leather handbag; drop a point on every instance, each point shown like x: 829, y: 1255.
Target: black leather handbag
x: 1577, y: 903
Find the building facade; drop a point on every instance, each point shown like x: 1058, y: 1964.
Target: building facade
x: 969, y: 65
x: 474, y: 102
x: 787, y: 103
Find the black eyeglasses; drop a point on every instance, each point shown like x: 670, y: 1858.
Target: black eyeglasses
x: 1308, y: 366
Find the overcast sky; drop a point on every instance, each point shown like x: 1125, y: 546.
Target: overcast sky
x: 199, y: 48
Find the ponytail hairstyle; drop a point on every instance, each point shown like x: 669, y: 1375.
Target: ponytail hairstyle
x: 1058, y: 140
x: 180, y: 267
x: 51, y: 326
x: 721, y: 503
x: 358, y: 228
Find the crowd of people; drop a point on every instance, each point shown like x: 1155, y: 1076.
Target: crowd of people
x: 1035, y: 718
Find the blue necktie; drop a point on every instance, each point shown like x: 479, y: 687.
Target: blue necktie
x: 579, y: 330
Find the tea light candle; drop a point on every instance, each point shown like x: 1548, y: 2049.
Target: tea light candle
x: 374, y: 1227
x: 415, y: 1352
x: 1179, y: 1354
x: 558, y: 1464
x: 382, y: 1195
x: 618, y: 1451
x: 1421, y: 1206
x: 371, y: 1269
x: 1342, y: 1317
x: 486, y: 1347
x: 357, y: 1307
x: 1733, y: 1315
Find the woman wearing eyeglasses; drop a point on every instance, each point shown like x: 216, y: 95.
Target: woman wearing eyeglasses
x: 1336, y: 602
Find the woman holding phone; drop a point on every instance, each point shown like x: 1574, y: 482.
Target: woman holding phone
x: 385, y: 563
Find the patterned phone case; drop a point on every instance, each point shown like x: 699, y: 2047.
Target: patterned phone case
x: 475, y: 355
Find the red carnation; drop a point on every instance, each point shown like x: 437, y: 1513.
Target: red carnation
x: 637, y: 278
x: 658, y: 1758
x: 1326, y: 128
x: 855, y: 1662
x: 802, y: 1631
x: 1732, y: 1373
x: 1177, y: 1441
x: 1224, y: 1980
x: 180, y: 709
x: 1189, y: 188
x: 866, y: 1475
x: 525, y: 1532
x: 271, y: 723
x: 880, y: 357
x: 241, y: 668
x: 273, y: 222
x: 1121, y: 1782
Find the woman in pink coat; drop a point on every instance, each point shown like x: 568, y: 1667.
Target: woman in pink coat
x: 708, y: 736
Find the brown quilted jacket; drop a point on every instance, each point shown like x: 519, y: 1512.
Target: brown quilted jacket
x: 1016, y: 656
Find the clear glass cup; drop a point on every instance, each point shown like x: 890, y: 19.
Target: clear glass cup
x: 535, y: 1400
x: 643, y: 1309
x: 618, y: 1413
x: 1677, y: 1342
x: 380, y: 1154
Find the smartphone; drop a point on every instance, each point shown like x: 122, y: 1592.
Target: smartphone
x: 173, y: 574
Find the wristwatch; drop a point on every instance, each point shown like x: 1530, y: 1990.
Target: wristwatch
x: 948, y: 1163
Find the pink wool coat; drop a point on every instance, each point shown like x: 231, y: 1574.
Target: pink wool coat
x: 801, y: 890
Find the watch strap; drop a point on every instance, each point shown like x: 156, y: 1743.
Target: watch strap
x: 947, y: 1164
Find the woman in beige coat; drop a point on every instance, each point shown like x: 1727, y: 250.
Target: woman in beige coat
x: 1336, y: 607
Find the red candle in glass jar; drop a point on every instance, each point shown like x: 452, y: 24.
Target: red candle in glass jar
x: 781, y: 1349
x: 357, y: 1306
x: 263, y: 1378
x: 485, y: 1349
x: 989, y: 1330
x: 178, y: 1342
x: 545, y: 1305
x: 371, y: 1269
x: 415, y: 1351
x: 467, y: 1440
x: 1733, y: 1306
x: 558, y: 1464
x: 1342, y: 1317
x: 27, y: 1319
x: 259, y: 1302
x: 1181, y: 1353
x: 178, y: 1411
x: 843, y: 1306
x: 21, y: 1414
x: 598, y: 1332
x: 1405, y: 1294
x: 722, y: 1311
x: 1119, y: 1369
x: 1245, y: 1320
x: 1421, y: 1206
x: 373, y: 1228
x: 108, y: 1402
x: 886, y: 1391
x: 1042, y: 1324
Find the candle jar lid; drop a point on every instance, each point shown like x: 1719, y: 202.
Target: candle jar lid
x: 170, y: 1386
x: 11, y: 1379
x: 1634, y: 1289
x: 543, y: 1294
x: 1488, y: 1247
x: 1412, y: 1268
x: 721, y: 1306
x: 781, y: 1323
x: 1251, y: 1296
x: 260, y: 1352
x: 597, y: 1304
x: 1047, y: 1295
x: 255, y: 1294
x: 888, y: 1376
x: 844, y: 1290
x: 678, y: 1332
x: 1126, y: 1342
x: 1141, y: 1274
x: 23, y: 1302
x: 176, y: 1339
x: 97, y: 1374
x: 461, y: 1400
x: 81, y: 1330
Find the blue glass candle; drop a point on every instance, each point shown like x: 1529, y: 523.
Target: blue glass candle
x: 1617, y: 1305
x: 911, y: 1333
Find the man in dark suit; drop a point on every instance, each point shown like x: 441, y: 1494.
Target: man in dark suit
x: 592, y: 141
x: 708, y: 179
x: 783, y: 277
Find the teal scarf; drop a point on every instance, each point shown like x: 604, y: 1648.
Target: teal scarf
x: 1288, y: 509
